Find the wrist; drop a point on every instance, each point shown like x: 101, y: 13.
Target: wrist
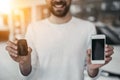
x: 25, y: 69
x: 25, y: 65
x: 25, y: 62
x: 92, y: 72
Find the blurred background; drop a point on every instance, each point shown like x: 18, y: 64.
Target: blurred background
x: 15, y: 15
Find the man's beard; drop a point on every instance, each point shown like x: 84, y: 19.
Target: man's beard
x: 59, y: 13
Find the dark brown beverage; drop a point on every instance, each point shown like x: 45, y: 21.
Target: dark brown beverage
x: 22, y: 47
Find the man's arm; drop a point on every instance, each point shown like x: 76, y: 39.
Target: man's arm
x: 25, y: 68
x: 24, y: 61
x: 25, y: 64
x: 92, y: 72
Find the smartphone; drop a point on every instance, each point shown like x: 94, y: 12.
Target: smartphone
x: 98, y: 49
x: 22, y: 47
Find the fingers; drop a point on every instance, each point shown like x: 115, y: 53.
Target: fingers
x: 29, y: 50
x: 17, y: 58
x: 89, y: 52
x: 108, y: 50
x: 13, y: 52
x: 12, y: 44
x: 107, y: 54
x: 108, y: 59
x: 12, y: 48
x: 88, y: 59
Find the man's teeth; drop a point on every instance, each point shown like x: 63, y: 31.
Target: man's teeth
x: 58, y: 6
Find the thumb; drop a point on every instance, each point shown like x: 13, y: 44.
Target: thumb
x: 89, y: 56
x: 29, y: 50
x: 89, y: 52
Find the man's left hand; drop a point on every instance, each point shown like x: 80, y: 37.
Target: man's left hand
x: 108, y: 58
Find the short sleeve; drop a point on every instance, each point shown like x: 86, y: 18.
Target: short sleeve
x: 92, y: 31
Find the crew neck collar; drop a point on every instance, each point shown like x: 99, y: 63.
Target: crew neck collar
x: 61, y: 23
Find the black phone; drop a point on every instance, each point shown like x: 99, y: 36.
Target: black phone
x: 98, y: 49
x: 22, y: 47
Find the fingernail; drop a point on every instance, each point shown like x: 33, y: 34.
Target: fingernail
x: 107, y: 45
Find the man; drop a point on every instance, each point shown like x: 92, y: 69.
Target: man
x: 58, y: 45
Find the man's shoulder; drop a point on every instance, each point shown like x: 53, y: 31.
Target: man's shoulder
x: 38, y: 23
x: 82, y: 22
x: 79, y: 20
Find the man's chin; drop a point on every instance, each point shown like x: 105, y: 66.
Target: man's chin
x: 59, y: 14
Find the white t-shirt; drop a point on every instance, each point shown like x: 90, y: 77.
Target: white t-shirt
x: 59, y: 50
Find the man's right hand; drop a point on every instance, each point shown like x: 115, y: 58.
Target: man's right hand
x: 24, y: 61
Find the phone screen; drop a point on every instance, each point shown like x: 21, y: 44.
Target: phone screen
x: 98, y: 49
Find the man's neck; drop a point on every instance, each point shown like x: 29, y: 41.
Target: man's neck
x: 60, y: 20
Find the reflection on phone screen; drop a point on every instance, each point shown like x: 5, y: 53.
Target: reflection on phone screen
x: 98, y: 49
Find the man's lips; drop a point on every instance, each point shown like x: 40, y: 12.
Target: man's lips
x: 59, y: 7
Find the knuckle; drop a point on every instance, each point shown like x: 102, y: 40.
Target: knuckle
x: 11, y: 54
x: 7, y: 42
x: 29, y: 49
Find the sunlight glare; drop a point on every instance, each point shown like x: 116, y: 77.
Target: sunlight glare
x: 5, y: 6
